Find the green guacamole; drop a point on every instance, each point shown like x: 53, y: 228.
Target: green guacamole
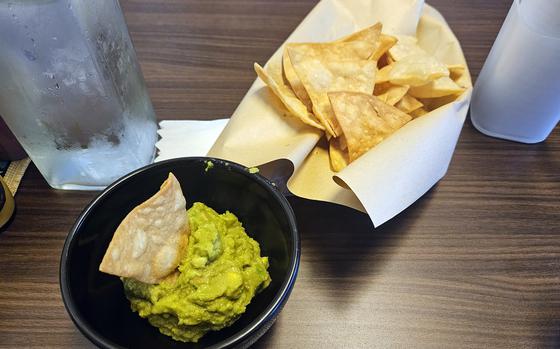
x: 221, y: 272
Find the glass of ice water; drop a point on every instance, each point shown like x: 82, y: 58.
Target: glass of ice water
x: 72, y: 92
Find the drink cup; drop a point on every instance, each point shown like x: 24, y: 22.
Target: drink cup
x: 517, y: 94
x: 72, y: 92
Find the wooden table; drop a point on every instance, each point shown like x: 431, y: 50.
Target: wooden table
x: 474, y: 263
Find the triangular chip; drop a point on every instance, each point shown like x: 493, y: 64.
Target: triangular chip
x: 286, y: 95
x: 365, y: 120
x: 406, y: 46
x: 320, y: 76
x: 149, y: 243
x: 337, y: 156
x: 370, y: 34
x: 384, y: 43
x: 389, y: 93
x: 434, y: 103
x: 373, y: 35
x: 331, y: 51
x: 383, y: 74
x: 440, y: 87
x: 458, y: 73
x: 416, y: 113
x: 294, y: 81
x: 408, y: 104
x: 416, y: 70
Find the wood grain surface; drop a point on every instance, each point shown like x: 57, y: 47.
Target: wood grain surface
x: 473, y: 263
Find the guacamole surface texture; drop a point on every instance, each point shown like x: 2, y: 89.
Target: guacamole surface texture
x: 221, y: 272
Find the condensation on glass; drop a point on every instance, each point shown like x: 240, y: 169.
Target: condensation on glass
x: 72, y: 92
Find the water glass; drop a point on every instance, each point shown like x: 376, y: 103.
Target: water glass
x: 72, y: 91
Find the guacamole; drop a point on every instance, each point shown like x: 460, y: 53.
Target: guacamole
x: 221, y: 272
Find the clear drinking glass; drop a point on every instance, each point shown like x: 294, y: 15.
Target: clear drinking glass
x: 72, y: 92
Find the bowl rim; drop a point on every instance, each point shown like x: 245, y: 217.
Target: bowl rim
x: 268, y: 313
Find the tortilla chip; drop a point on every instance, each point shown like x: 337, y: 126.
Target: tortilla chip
x: 365, y: 120
x: 384, y: 43
x: 370, y: 34
x: 149, y: 243
x: 286, y: 95
x: 434, y: 103
x: 440, y: 87
x: 320, y: 76
x: 457, y: 73
x: 417, y: 70
x: 383, y: 74
x: 408, y: 104
x: 331, y: 51
x: 338, y: 156
x: 389, y: 93
x: 404, y: 47
x: 418, y: 112
x: 381, y: 42
x: 294, y: 81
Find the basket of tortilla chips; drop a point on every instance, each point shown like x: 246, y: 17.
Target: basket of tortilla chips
x: 366, y: 100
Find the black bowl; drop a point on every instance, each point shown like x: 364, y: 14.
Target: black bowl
x: 96, y: 302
